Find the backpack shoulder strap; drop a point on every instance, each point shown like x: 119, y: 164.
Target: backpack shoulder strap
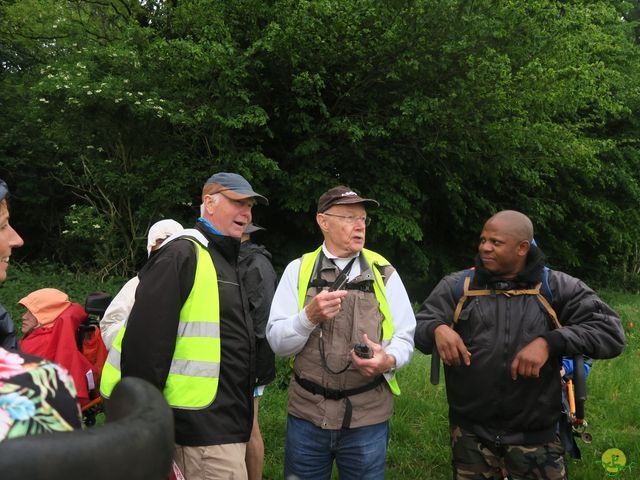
x: 458, y: 289
x: 461, y: 292
x: 542, y: 291
x: 545, y: 289
x: 545, y: 298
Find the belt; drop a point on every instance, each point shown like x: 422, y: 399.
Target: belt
x: 333, y: 394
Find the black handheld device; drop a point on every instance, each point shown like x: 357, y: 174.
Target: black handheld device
x: 362, y: 350
x: 340, y: 282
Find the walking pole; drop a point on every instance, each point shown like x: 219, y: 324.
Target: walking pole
x: 435, y: 367
x: 580, y: 386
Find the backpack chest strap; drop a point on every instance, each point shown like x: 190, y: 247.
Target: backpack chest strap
x: 508, y: 293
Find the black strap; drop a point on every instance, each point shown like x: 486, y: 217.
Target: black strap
x: 348, y: 410
x: 363, y: 286
x: 366, y: 286
x: 332, y: 394
x: 323, y: 357
x: 338, y: 283
x: 344, y: 273
x: 319, y: 282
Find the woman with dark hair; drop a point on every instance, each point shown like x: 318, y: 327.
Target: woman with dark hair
x: 36, y: 396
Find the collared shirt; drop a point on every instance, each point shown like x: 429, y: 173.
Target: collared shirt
x: 205, y: 223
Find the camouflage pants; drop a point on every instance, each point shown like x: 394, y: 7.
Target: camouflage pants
x: 476, y: 459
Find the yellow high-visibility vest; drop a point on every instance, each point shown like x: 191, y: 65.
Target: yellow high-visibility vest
x: 194, y: 373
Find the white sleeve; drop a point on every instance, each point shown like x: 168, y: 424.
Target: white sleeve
x: 404, y: 321
x: 118, y: 311
x: 288, y: 328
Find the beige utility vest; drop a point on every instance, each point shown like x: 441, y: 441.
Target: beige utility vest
x: 359, y: 314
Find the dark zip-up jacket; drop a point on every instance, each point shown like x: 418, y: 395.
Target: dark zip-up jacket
x: 147, y: 348
x: 260, y: 281
x: 482, y: 397
x: 8, y: 339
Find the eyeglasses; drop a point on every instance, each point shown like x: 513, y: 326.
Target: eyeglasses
x: 351, y: 220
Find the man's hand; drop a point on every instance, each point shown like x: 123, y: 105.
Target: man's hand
x: 381, y: 362
x: 530, y: 359
x: 450, y: 346
x: 324, y: 306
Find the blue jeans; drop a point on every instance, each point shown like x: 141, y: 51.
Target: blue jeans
x: 359, y: 453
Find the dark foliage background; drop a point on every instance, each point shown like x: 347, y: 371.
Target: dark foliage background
x: 114, y: 113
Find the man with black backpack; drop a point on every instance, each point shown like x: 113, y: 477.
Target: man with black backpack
x: 501, y: 330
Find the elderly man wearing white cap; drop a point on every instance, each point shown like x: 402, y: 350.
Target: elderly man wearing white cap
x: 190, y: 334
x: 119, y: 308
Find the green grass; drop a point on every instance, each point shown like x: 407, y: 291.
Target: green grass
x: 419, y: 442
x: 23, y: 279
x: 419, y: 445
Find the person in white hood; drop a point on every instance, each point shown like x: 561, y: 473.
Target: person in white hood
x: 119, y: 308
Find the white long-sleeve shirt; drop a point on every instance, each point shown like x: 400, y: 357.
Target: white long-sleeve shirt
x: 289, y: 327
x: 118, y: 312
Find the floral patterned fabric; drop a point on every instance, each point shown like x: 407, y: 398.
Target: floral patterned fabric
x: 36, y: 396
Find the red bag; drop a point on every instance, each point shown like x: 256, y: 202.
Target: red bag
x: 94, y: 350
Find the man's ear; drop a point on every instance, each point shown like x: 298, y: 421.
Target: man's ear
x: 523, y: 248
x: 208, y: 203
x: 322, y: 222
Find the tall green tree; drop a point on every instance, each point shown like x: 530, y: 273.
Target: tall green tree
x: 446, y: 111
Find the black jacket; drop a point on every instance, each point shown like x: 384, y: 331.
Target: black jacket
x: 260, y: 281
x: 147, y: 347
x: 482, y: 397
x: 8, y: 339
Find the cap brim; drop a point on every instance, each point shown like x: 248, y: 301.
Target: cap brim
x: 232, y: 194
x: 252, y: 228
x: 352, y: 201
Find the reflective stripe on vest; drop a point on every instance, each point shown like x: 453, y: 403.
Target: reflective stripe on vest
x: 193, y: 377
x: 375, y: 260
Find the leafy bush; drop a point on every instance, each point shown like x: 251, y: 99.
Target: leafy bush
x: 23, y: 279
x: 446, y: 111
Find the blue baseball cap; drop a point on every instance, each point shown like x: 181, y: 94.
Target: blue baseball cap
x: 235, y: 187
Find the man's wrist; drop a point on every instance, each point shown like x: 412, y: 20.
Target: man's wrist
x: 556, y: 343
x: 436, y: 326
x: 305, y: 322
x: 389, y: 363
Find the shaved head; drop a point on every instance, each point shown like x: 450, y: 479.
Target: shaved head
x: 505, y: 242
x: 515, y: 224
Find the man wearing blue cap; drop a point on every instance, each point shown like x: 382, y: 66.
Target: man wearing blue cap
x: 190, y: 334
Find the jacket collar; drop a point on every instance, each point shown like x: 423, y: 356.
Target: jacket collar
x: 530, y: 275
